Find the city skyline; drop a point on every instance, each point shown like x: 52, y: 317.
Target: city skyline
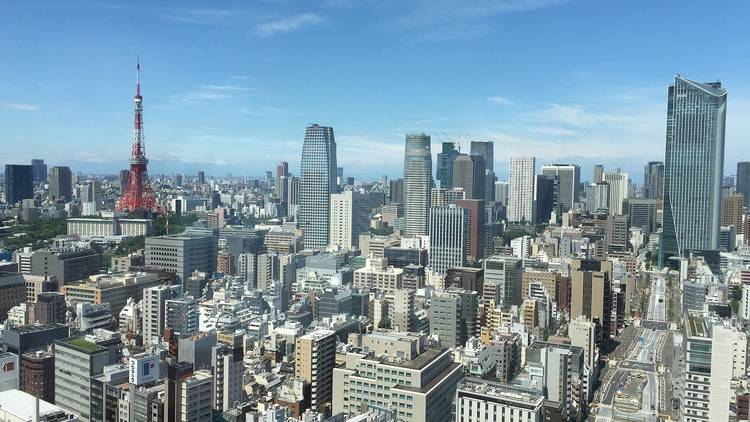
x: 227, y: 85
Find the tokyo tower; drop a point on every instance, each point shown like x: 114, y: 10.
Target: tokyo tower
x: 138, y: 195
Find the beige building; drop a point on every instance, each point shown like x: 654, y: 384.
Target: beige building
x: 315, y: 357
x: 378, y: 275
x: 591, y: 294
x: 114, y: 289
x: 732, y: 212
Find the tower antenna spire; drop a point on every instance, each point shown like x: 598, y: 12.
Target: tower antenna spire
x: 138, y: 77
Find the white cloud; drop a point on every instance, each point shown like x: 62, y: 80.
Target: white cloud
x: 499, y: 100
x: 288, y: 24
x: 20, y: 106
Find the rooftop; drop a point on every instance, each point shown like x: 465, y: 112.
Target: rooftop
x: 500, y: 390
x: 21, y: 405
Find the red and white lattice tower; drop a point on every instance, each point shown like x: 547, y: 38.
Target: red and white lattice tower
x: 138, y: 195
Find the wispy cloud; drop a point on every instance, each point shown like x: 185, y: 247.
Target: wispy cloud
x: 288, y: 24
x: 499, y: 100
x: 20, y: 106
x: 210, y: 92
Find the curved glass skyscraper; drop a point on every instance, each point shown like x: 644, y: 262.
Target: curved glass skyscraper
x: 317, y: 183
x: 417, y: 182
x: 693, y: 167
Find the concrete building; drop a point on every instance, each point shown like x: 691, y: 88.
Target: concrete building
x: 227, y: 371
x: 37, y: 369
x: 479, y: 400
x: 503, y: 280
x: 106, y: 229
x: 18, y: 406
x: 521, y: 191
x: 449, y: 233
x: 315, y: 358
x: 188, y: 394
x: 182, y: 254
x: 454, y: 316
x: 591, y: 294
x: 60, y: 184
x: 114, y: 289
x: 733, y: 212
x: 317, y: 183
x: 420, y: 386
x: 642, y: 213
x: 154, y: 311
x: 417, y: 183
x: 181, y: 316
x: 66, y: 264
x: 379, y: 276
x: 77, y: 360
x: 568, y: 180
x: 12, y: 292
x: 582, y: 333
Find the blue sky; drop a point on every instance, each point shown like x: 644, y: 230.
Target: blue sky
x: 231, y: 85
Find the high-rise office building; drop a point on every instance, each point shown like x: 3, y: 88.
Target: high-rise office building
x: 546, y: 198
x: 696, y: 117
x: 476, y: 229
x: 486, y: 150
x: 39, y: 170
x: 653, y: 180
x: 60, y: 184
x: 449, y: 232
x: 591, y: 294
x: 568, y: 178
x: 742, y: 179
x: 445, y: 159
x: 732, y: 211
x: 618, y: 190
x: 454, y: 316
x: 417, y: 183
x: 317, y: 183
x: 503, y: 280
x: 19, y: 183
x: 282, y: 183
x: 350, y: 217
x: 396, y: 191
x: 501, y: 192
x: 598, y: 174
x: 315, y: 358
x: 521, y: 192
x: 182, y: 254
x: 77, y: 360
x: 468, y: 174
x: 181, y: 316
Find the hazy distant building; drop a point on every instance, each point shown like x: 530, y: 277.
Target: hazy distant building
x: 417, y: 183
x: 38, y: 170
x: 696, y: 118
x: 743, y: 179
x: 521, y: 192
x: 618, y: 190
x: 468, y: 174
x: 317, y: 183
x: 568, y: 177
x: 60, y: 184
x: 653, y: 180
x: 445, y: 159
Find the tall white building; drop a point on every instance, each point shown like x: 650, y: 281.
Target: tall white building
x: 501, y: 192
x: 582, y: 333
x: 449, y: 231
x: 350, y: 217
x: 521, y: 189
x: 417, y: 182
x: 227, y: 371
x: 618, y: 190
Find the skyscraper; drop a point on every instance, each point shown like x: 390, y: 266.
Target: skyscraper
x: 60, y: 184
x: 350, y: 217
x: 598, y: 174
x: 282, y: 185
x: 653, y: 180
x: 618, y: 190
x: 417, y: 182
x: 317, y: 183
x: 39, y: 170
x: 521, y: 192
x: 486, y: 150
x: 445, y: 158
x: 568, y: 180
x: 19, y: 183
x: 469, y: 174
x: 449, y: 233
x: 743, y: 179
x: 694, y: 166
x: 546, y: 196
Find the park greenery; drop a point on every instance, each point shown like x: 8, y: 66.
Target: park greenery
x: 36, y: 235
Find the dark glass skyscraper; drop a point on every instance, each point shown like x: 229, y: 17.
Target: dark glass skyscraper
x: 19, y: 183
x: 445, y: 158
x: 417, y: 182
x: 653, y: 180
x: 317, y: 183
x: 39, y: 170
x: 693, y: 167
x: 743, y: 179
